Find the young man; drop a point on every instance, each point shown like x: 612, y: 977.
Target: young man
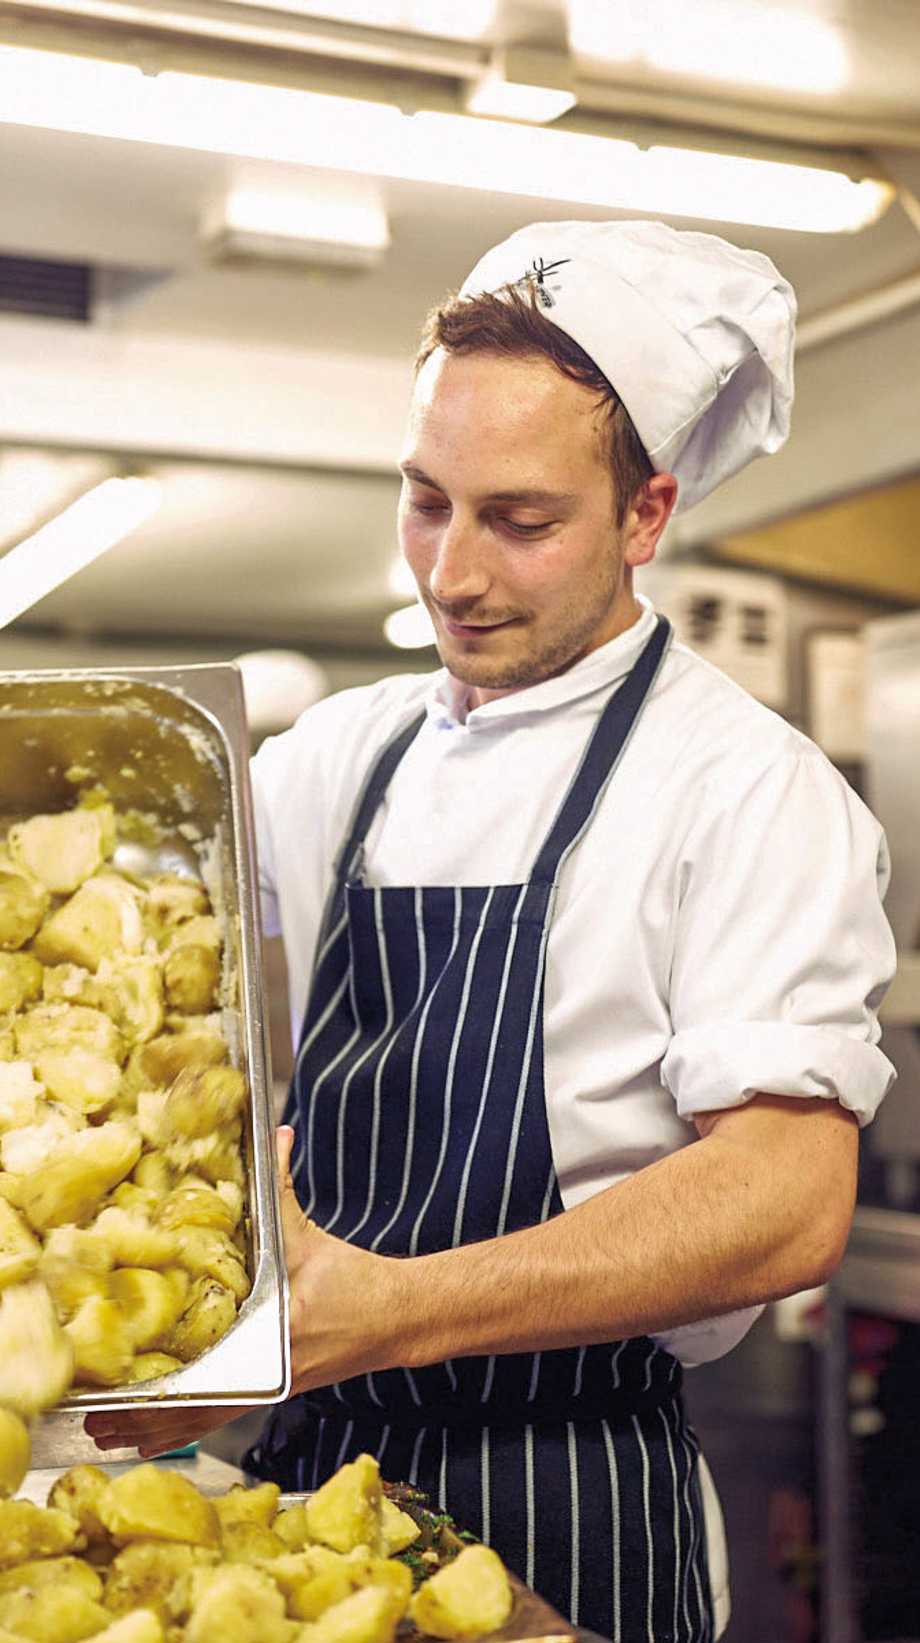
x: 551, y: 915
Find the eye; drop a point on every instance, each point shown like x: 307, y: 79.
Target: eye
x: 519, y: 529
x: 427, y: 507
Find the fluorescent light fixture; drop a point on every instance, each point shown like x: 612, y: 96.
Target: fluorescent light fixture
x: 729, y: 188
x: 400, y: 579
x: 90, y: 526
x: 410, y: 628
x: 256, y: 122
x: 300, y: 224
x: 770, y: 45
x: 375, y: 139
x: 520, y: 84
x: 604, y: 171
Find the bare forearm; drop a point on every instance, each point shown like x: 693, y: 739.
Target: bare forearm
x: 710, y: 1229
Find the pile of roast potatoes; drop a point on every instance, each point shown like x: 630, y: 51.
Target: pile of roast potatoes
x: 123, y: 1251
x: 145, y: 1558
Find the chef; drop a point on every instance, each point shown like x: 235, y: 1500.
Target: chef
x: 585, y: 949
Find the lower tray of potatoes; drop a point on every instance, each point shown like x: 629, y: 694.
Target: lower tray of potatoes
x: 123, y: 1242
x: 146, y: 1558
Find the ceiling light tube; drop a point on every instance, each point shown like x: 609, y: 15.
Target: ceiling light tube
x: 57, y: 550
x: 375, y: 139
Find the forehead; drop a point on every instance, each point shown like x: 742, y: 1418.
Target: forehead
x: 518, y: 415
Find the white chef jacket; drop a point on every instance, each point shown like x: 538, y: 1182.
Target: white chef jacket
x: 718, y: 931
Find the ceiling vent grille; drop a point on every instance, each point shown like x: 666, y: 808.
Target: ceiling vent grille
x: 51, y: 290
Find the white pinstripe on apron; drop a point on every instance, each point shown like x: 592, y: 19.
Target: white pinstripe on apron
x: 419, y: 1109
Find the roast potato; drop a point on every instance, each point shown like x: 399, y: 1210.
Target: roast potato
x: 151, y: 1366
x: 20, y: 1093
x: 36, y: 1358
x: 23, y: 904
x: 154, y: 1504
x: 103, y: 916
x: 80, y: 1493
x: 237, y: 1604
x: 101, y: 1341
x: 51, y: 1613
x: 210, y: 1311
x: 346, y: 1511
x: 191, y: 977
x: 61, y: 851
x: 72, y: 1572
x: 241, y: 1505
x: 15, y: 1453
x: 63, y: 1026
x: 250, y: 1543
x: 20, y: 980
x: 149, y: 1303
x: 172, y: 900
x: 78, y: 1078
x: 78, y: 1172
x: 152, y: 1574
x: 364, y: 1617
x: 470, y: 1596
x: 28, y: 1531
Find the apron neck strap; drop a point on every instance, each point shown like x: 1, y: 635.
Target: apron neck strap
x: 601, y: 757
x: 370, y: 796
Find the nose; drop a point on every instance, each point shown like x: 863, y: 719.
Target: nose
x: 459, y: 573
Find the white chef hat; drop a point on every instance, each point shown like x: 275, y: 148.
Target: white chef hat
x: 694, y: 334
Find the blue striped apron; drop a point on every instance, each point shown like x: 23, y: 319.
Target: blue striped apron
x: 420, y: 1119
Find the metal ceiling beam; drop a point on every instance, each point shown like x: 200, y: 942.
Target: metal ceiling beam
x: 261, y: 43
x: 859, y: 313
x: 265, y: 27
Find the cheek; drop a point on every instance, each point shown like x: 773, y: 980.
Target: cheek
x: 415, y: 538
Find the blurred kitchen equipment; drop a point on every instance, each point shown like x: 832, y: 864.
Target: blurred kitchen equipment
x: 869, y: 1436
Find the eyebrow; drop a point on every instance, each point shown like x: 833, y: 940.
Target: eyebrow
x: 530, y: 496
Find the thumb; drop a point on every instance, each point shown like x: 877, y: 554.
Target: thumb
x: 293, y: 1221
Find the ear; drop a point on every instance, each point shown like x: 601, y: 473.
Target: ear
x: 649, y: 512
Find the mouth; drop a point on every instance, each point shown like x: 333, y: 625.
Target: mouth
x: 472, y: 630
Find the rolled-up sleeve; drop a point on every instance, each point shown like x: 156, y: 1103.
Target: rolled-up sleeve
x: 782, y: 951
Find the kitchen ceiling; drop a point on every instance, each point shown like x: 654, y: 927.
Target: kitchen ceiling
x: 301, y: 543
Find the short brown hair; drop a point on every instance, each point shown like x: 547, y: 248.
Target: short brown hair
x: 510, y: 324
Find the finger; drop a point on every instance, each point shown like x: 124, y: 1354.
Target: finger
x: 138, y: 1421
x: 156, y: 1430
x: 293, y: 1220
x: 284, y: 1146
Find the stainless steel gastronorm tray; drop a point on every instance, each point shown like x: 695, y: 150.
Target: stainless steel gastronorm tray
x: 172, y: 742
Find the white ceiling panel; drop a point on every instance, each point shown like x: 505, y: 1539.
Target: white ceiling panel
x: 266, y: 555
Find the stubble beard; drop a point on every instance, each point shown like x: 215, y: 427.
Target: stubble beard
x: 557, y: 650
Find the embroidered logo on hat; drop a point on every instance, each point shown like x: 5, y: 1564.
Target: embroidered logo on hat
x: 536, y: 277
